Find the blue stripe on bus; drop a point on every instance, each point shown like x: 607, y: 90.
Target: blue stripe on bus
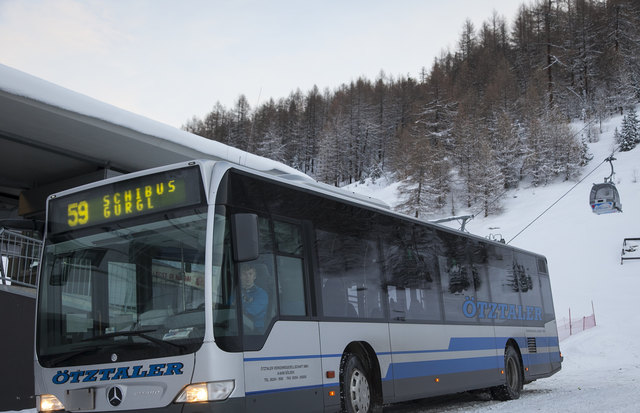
x: 309, y: 356
x: 532, y: 359
x: 440, y: 367
x: 455, y: 344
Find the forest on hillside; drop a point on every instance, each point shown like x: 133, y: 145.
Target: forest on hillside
x: 481, y: 119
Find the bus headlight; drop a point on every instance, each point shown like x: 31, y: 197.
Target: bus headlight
x: 49, y: 403
x: 206, y: 392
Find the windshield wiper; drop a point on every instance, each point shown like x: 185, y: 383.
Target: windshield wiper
x: 138, y: 333
x: 97, y: 348
x: 73, y: 354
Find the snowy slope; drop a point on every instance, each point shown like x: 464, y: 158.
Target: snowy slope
x: 601, y: 371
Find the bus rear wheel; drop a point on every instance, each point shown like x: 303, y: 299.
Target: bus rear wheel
x: 513, y: 377
x: 356, y: 386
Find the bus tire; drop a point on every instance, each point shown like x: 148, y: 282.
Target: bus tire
x: 356, y: 384
x: 512, y: 387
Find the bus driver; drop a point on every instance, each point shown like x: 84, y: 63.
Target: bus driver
x: 254, y: 298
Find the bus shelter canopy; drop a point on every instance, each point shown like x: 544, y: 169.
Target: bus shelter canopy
x: 52, y: 138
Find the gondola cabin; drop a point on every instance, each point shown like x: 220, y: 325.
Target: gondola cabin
x: 604, y: 198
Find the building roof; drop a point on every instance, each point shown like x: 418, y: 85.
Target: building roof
x: 50, y: 136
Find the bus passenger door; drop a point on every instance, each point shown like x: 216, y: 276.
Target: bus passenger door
x: 282, y: 363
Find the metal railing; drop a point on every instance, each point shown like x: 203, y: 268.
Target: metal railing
x: 19, y: 258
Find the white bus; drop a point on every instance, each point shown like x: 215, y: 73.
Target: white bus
x: 209, y: 287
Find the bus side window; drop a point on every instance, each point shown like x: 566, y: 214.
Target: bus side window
x: 257, y: 295
x: 290, y: 265
x: 397, y: 303
x: 458, y: 278
x: 288, y: 237
x: 503, y: 286
x: 400, y: 270
x: 335, y: 300
x: 480, y: 257
x: 416, y: 309
x: 291, y: 286
x: 350, y: 269
x: 530, y: 291
x: 412, y: 273
x: 363, y: 277
x: 258, y: 291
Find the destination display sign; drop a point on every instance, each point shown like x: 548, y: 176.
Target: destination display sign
x: 125, y: 199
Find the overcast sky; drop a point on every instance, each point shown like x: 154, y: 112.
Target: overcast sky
x: 171, y: 60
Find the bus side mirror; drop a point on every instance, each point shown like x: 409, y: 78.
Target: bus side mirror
x: 244, y: 232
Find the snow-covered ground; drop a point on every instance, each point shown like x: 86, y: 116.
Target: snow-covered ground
x: 601, y: 369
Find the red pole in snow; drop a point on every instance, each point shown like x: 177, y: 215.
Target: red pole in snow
x: 593, y: 311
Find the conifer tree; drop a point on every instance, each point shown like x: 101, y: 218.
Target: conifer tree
x: 488, y: 180
x: 426, y: 185
x: 630, y: 135
x: 240, y: 130
x: 506, y: 146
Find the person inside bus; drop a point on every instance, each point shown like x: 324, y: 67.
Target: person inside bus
x: 254, y: 299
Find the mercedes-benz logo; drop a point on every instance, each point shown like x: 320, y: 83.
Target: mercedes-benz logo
x: 114, y: 395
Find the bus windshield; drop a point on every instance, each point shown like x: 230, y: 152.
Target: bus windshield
x: 123, y: 291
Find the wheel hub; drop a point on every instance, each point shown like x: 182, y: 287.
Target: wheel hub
x: 359, y: 392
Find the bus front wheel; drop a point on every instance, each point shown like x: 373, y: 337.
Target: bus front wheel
x: 512, y: 387
x: 356, y: 386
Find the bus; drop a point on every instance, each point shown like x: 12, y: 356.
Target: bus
x: 207, y: 286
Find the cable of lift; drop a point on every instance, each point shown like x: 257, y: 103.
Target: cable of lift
x: 565, y: 194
